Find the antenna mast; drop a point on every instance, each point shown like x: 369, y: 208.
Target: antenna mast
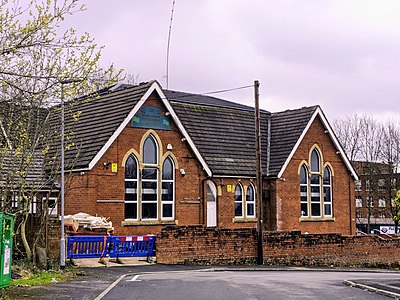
x: 169, y: 38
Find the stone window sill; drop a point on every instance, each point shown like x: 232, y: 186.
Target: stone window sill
x: 243, y: 220
x: 317, y: 219
x: 148, y: 223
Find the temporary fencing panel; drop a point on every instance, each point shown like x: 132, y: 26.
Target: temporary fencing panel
x: 132, y: 246
x: 112, y: 246
x: 86, y: 246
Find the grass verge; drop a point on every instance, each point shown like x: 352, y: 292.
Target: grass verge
x: 43, y: 278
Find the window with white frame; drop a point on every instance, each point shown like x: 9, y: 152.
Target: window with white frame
x: 131, y: 188
x: 327, y: 192
x: 382, y: 215
x: 250, y: 202
x: 167, y: 196
x: 381, y: 203
x: 358, y: 214
x: 393, y: 183
x: 367, y: 184
x: 14, y: 201
x: 359, y: 201
x: 381, y: 184
x: 149, y: 186
x: 370, y: 201
x: 304, y: 190
x: 315, y: 188
x: 53, y: 206
x: 357, y: 184
x: 238, y: 200
x: 245, y: 204
x: 33, y: 205
x: 149, y: 176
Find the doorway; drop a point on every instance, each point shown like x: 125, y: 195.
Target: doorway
x: 211, y: 198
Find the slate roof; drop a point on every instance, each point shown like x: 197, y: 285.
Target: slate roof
x: 11, y: 165
x: 286, y: 128
x: 203, y: 100
x: 222, y: 131
x: 99, y: 118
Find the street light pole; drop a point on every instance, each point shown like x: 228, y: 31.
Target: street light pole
x: 62, y: 239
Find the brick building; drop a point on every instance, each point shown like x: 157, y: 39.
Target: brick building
x: 375, y: 192
x: 147, y: 158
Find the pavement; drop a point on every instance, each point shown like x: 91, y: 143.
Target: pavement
x: 93, y: 278
x: 109, y: 262
x: 387, y: 288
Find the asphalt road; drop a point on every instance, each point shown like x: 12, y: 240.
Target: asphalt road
x: 243, y: 285
x: 184, y: 282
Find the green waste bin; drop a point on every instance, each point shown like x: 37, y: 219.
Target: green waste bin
x: 6, y: 246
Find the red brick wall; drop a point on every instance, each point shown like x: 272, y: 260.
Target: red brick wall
x: 101, y: 192
x: 226, y: 203
x: 294, y: 248
x: 288, y: 188
x: 200, y: 245
x: 87, y: 192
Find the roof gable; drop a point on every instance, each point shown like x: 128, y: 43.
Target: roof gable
x: 288, y: 131
x: 102, y: 119
x: 92, y: 124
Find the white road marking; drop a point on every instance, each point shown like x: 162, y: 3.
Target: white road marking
x: 105, y: 292
x: 134, y: 278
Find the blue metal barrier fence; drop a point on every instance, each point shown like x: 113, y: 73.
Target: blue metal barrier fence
x: 112, y: 246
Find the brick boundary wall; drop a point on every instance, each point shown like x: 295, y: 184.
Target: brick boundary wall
x: 203, y: 246
x: 200, y: 245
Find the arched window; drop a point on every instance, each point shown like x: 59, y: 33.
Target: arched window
x: 316, y: 188
x: 168, y: 193
x: 315, y: 161
x: 150, y: 151
x: 304, y: 191
x: 150, y: 179
x: 250, y: 202
x: 327, y: 192
x: 238, y: 200
x: 131, y: 185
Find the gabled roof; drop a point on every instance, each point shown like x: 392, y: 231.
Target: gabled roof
x: 203, y: 100
x: 102, y: 119
x: 223, y: 132
x: 220, y: 133
x: 288, y: 130
x: 99, y: 119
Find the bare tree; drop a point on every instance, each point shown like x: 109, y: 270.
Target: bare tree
x: 374, y: 147
x: 348, y: 131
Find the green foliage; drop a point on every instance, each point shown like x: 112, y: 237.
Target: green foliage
x: 396, y: 203
x: 40, y: 63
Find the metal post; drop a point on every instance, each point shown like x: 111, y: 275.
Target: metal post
x: 62, y: 240
x: 260, y: 225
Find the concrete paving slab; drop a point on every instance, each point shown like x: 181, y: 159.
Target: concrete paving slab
x: 110, y: 262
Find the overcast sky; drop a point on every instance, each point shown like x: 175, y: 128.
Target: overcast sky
x: 340, y: 54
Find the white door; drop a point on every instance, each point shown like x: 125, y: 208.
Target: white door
x: 211, y: 198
